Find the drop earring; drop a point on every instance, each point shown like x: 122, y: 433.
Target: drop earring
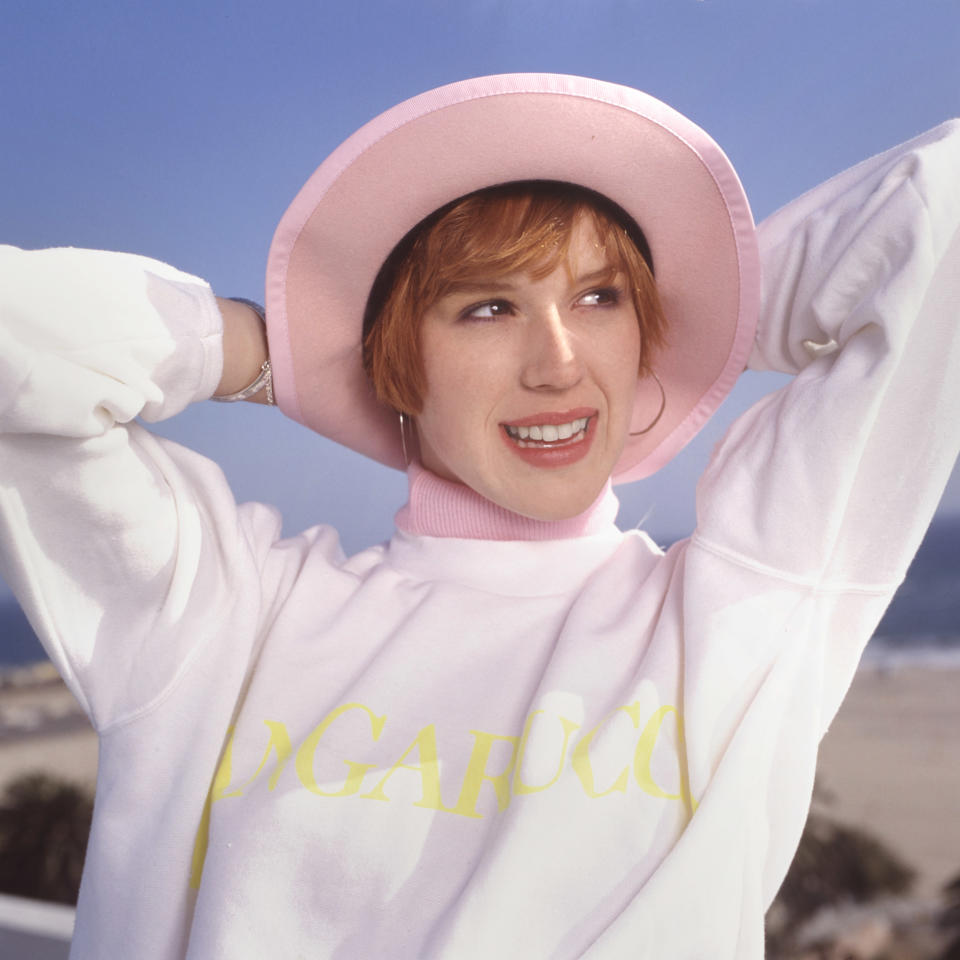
x: 656, y: 419
x: 403, y: 439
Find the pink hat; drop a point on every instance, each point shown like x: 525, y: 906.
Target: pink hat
x: 362, y: 200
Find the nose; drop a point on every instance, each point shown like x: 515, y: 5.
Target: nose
x: 551, y: 360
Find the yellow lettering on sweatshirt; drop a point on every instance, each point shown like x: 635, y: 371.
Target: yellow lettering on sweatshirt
x: 218, y: 787
x: 278, y: 743
x: 643, y: 755
x: 355, y: 771
x: 519, y: 787
x: 476, y: 774
x: 580, y: 759
x: 506, y: 783
x: 425, y: 743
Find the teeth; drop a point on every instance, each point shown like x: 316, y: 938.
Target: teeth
x: 550, y: 432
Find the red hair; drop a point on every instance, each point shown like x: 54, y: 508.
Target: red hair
x: 497, y: 231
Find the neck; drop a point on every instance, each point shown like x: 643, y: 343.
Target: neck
x: 442, y: 508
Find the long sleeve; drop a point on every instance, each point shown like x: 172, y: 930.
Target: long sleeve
x: 123, y: 548
x: 829, y: 483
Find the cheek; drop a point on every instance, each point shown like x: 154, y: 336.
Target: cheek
x: 454, y: 402
x: 620, y: 385
x: 462, y: 377
x: 622, y: 362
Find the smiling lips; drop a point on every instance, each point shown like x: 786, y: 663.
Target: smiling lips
x: 551, y: 439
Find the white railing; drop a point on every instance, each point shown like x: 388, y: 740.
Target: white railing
x: 34, y: 930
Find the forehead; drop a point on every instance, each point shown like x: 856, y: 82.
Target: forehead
x: 588, y: 248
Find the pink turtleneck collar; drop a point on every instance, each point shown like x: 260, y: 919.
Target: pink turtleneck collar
x: 442, y: 508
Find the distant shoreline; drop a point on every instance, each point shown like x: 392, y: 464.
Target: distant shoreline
x: 883, y: 653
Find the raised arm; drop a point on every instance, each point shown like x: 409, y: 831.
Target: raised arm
x: 830, y: 483
x: 836, y: 476
x: 122, y: 547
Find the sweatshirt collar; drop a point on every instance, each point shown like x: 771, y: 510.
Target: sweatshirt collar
x: 447, y: 533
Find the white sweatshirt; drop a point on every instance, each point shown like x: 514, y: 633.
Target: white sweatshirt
x: 456, y: 747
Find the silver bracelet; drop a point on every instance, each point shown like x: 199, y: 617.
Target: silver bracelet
x: 264, y: 379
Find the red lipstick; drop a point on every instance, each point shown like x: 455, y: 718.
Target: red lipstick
x: 555, y: 453
x: 553, y: 417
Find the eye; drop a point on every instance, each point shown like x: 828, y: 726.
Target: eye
x: 488, y: 310
x: 601, y: 297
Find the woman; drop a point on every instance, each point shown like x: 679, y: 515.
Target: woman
x: 512, y: 730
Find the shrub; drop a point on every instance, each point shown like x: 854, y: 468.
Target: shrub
x: 44, y: 825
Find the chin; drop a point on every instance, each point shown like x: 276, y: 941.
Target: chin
x: 548, y: 506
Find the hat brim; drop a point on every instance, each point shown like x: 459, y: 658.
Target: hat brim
x: 660, y: 167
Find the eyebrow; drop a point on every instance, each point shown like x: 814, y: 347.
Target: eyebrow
x: 607, y: 272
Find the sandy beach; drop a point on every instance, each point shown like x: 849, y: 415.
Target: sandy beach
x: 890, y: 762
x: 42, y: 728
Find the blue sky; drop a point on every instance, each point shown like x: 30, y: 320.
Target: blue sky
x: 182, y: 130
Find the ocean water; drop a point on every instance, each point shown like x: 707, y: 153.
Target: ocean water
x: 921, y: 627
